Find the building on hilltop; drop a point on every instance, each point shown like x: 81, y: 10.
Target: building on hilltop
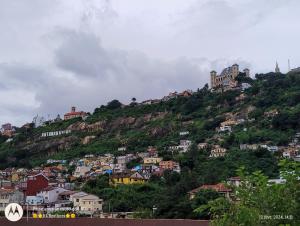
x: 277, y: 69
x: 74, y: 114
x: 7, y: 130
x: 226, y: 80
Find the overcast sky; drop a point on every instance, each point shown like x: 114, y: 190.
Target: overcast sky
x: 58, y: 53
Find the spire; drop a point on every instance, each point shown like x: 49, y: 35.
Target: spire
x: 277, y: 70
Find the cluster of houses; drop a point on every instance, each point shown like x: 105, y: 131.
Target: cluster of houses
x: 37, y: 192
x: 54, y: 187
x: 291, y: 151
x: 121, y: 172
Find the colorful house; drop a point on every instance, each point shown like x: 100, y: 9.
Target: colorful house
x: 135, y: 178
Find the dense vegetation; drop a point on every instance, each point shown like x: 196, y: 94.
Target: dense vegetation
x: 259, y: 202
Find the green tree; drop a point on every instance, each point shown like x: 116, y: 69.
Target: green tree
x: 259, y: 202
x: 114, y: 104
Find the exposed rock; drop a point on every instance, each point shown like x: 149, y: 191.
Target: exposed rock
x: 158, y: 131
x: 51, y: 146
x: 83, y: 126
x: 87, y: 139
x: 122, y: 121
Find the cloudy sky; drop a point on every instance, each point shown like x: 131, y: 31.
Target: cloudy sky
x: 58, y: 53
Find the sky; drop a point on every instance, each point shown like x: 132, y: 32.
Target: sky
x: 55, y: 54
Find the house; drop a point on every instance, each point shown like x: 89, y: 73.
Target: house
x: 135, y: 178
x: 33, y: 184
x: 122, y: 149
x: 34, y: 200
x: 75, y: 114
x: 271, y: 113
x: 234, y: 181
x: 271, y: 148
x: 230, y: 122
x: 10, y: 196
x: 186, y: 93
x: 220, y: 188
x: 249, y: 146
x: 81, y: 171
x: 217, y: 151
x: 170, y: 96
x: 290, y: 152
x: 169, y: 165
x: 152, y: 160
x: 184, y: 145
x: 86, y: 203
x: 152, y: 151
x: 225, y: 129
x: 202, y: 146
x: 50, y: 194
x: 183, y: 133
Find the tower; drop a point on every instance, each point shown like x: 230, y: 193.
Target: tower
x: 235, y: 70
x: 247, y: 72
x: 277, y: 69
x: 213, y: 75
x: 73, y: 109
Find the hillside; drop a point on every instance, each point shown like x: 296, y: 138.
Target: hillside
x: 139, y: 126
x: 253, y: 127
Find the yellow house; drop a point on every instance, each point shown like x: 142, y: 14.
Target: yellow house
x: 15, y: 177
x: 152, y: 160
x: 135, y: 178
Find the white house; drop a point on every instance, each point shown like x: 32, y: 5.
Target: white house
x: 86, y: 203
x: 225, y: 129
x: 34, y: 200
x: 50, y: 194
x: 10, y: 196
x: 218, y: 152
x: 183, y: 146
x: 81, y: 171
x: 183, y: 133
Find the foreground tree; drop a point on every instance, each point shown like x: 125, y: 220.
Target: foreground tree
x: 259, y: 202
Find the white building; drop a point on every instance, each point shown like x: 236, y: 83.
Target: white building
x: 182, y: 147
x: 225, y: 129
x: 34, y: 200
x: 81, y: 171
x: 50, y: 194
x: 218, y: 152
x: 10, y: 196
x: 86, y: 203
x: 183, y: 133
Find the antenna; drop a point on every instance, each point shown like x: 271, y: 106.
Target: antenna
x: 289, y: 65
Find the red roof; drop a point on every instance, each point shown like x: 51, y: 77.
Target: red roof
x: 75, y: 113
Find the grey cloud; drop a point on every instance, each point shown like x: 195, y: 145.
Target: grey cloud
x: 82, y: 54
x: 87, y: 52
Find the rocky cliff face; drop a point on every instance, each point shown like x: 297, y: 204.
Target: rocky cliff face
x: 49, y: 146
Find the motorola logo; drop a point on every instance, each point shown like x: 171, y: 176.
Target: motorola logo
x: 13, y: 212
